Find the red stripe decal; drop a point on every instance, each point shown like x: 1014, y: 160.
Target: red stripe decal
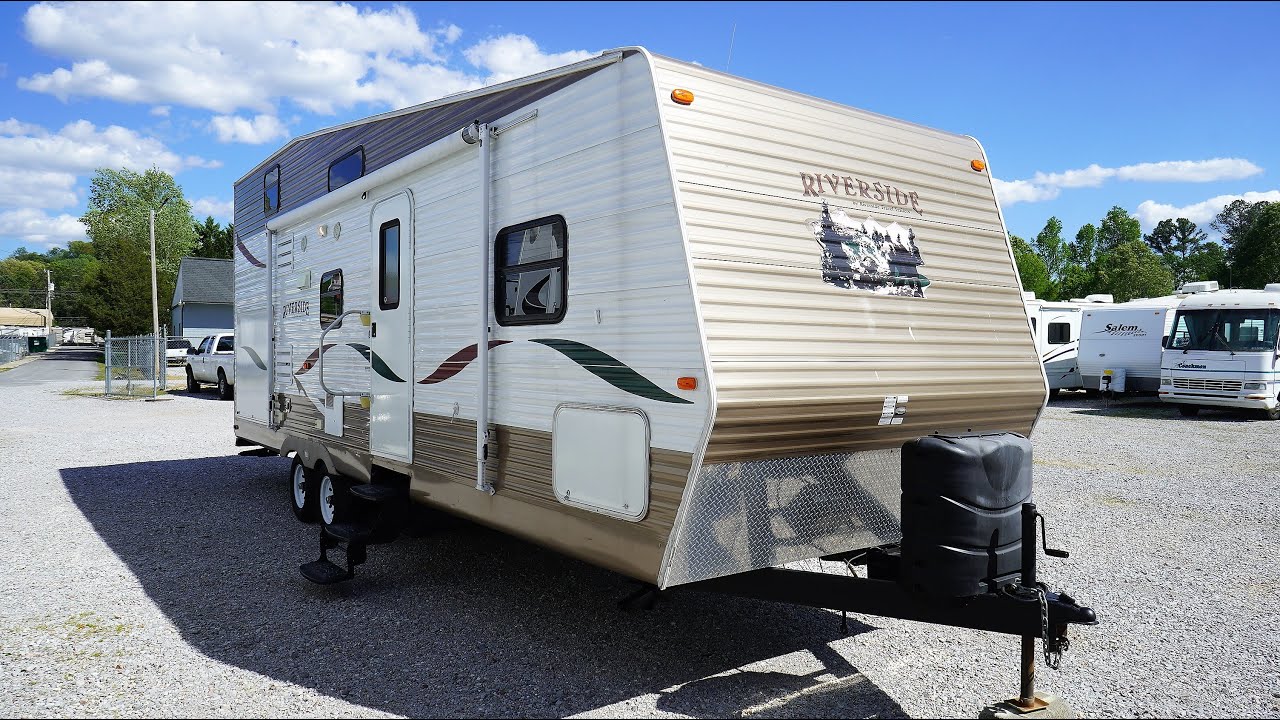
x: 456, y: 363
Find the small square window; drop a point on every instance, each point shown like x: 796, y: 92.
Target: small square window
x: 530, y: 272
x: 330, y: 296
x: 271, y: 191
x: 1059, y: 333
x: 346, y: 168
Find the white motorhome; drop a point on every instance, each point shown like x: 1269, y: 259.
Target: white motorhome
x: 1223, y: 352
x: 668, y: 321
x: 1120, y: 344
x: 1056, y: 329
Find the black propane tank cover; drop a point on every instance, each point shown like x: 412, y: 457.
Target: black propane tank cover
x: 962, y: 499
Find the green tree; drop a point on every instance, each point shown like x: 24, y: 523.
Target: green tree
x: 22, y: 280
x: 1208, y: 263
x: 1118, y: 228
x: 1176, y: 241
x: 1052, y: 249
x: 1234, y: 220
x: 1257, y: 252
x: 213, y: 240
x: 117, y: 221
x: 1031, y: 269
x: 1078, y: 278
x: 1131, y: 270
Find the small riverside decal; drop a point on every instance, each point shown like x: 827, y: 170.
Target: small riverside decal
x: 864, y: 255
x: 456, y: 363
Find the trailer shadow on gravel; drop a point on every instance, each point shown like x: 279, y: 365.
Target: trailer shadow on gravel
x: 462, y: 622
x: 1146, y: 407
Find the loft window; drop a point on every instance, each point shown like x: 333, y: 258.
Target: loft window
x: 271, y: 191
x: 389, y: 265
x: 530, y: 267
x: 346, y: 168
x: 1059, y: 333
x: 330, y: 296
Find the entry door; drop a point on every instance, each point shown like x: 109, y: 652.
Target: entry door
x: 391, y: 332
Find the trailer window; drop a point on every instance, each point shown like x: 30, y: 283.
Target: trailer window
x: 271, y: 191
x: 346, y: 168
x: 1059, y: 333
x: 530, y: 268
x: 389, y: 265
x: 330, y: 296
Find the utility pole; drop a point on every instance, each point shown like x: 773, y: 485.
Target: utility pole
x: 48, y: 295
x: 155, y: 312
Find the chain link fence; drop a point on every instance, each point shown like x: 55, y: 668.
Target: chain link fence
x: 130, y: 365
x: 12, y: 347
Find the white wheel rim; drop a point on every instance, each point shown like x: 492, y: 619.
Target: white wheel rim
x: 326, y: 500
x: 299, y: 487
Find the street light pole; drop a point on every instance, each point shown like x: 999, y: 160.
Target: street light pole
x: 155, y: 312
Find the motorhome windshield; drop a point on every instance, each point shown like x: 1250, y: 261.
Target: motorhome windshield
x: 1225, y: 330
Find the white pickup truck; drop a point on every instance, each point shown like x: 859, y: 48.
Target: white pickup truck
x: 213, y: 361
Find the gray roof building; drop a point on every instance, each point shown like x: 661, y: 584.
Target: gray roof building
x: 205, y: 280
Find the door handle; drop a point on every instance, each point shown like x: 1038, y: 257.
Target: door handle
x: 373, y: 329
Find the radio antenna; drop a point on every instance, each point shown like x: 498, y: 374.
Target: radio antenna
x: 732, y: 33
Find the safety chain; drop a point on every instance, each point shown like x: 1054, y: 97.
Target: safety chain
x: 1052, y: 650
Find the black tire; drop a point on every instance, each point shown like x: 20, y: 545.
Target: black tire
x: 1053, y: 393
x: 1189, y: 410
x: 225, y: 390
x: 308, y: 510
x: 192, y: 385
x: 1273, y: 413
x: 333, y: 497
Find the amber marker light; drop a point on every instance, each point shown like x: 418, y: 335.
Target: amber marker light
x: 687, y: 383
x: 977, y: 165
x: 682, y: 97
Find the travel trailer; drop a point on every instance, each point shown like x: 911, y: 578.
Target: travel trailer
x: 667, y: 321
x: 1223, y: 352
x: 1056, y: 329
x: 1120, y: 344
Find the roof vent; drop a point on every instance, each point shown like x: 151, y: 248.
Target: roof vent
x: 1204, y: 286
x: 1100, y: 298
x: 1272, y: 287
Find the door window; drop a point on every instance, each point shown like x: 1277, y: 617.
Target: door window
x: 389, y: 265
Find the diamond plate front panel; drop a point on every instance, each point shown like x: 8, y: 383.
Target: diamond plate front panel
x: 750, y: 515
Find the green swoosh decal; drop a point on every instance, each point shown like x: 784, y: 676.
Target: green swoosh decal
x: 254, y: 357
x: 611, y: 370
x: 379, y: 366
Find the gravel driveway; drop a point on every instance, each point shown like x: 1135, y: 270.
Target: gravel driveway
x: 153, y: 572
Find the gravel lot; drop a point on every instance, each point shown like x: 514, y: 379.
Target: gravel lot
x: 153, y: 572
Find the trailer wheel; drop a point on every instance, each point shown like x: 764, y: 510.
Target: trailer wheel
x: 1189, y: 410
x: 1273, y: 413
x: 302, y: 493
x: 224, y: 390
x: 1053, y: 393
x: 334, y: 498
x: 192, y: 385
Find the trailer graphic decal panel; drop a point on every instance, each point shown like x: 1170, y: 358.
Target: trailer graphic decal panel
x: 864, y: 255
x: 456, y: 363
x: 611, y: 370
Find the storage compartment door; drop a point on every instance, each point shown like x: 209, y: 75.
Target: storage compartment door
x: 600, y: 460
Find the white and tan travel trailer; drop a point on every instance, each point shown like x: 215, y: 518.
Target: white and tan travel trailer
x: 1056, y: 329
x: 665, y: 320
x: 1223, y: 352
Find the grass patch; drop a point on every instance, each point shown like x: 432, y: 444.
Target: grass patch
x: 137, y: 392
x: 1114, y: 501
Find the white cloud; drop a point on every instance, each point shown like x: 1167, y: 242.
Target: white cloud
x: 1015, y: 191
x: 1046, y: 186
x: 81, y: 147
x: 260, y: 129
x: 160, y: 111
x: 231, y: 56
x: 219, y: 209
x: 512, y: 56
x: 22, y: 187
x: 1151, y: 212
x: 37, y: 229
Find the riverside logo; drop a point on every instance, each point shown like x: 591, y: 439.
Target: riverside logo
x: 1122, y: 331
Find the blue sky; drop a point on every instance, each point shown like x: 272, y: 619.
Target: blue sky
x: 1166, y: 109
